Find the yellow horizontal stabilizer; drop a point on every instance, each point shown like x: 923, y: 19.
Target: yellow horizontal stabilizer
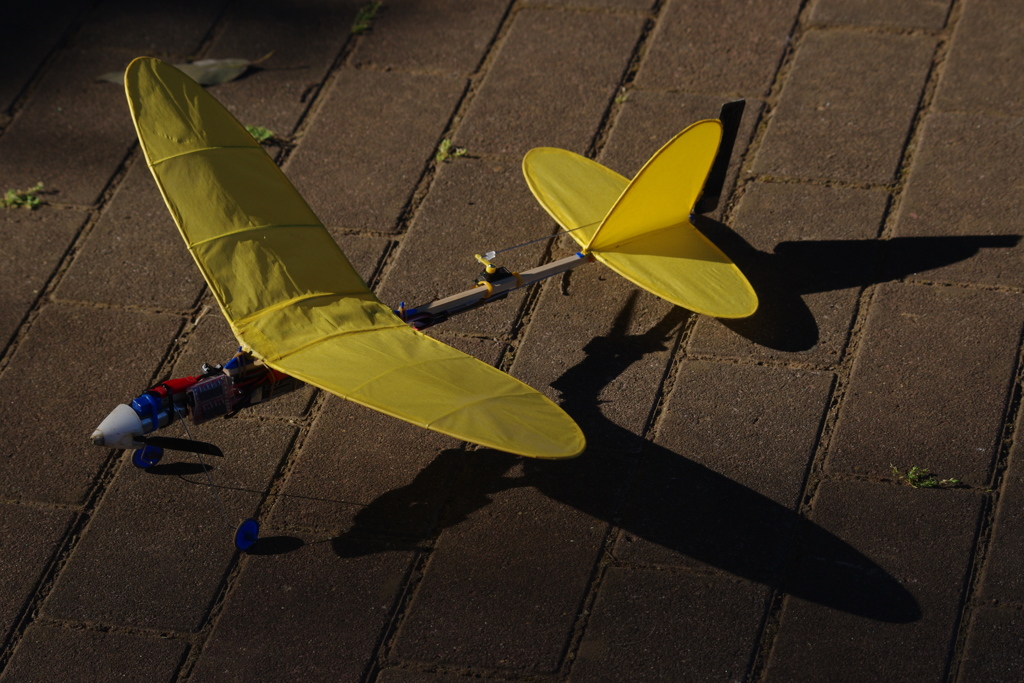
x: 291, y: 296
x: 577, y: 192
x: 644, y: 232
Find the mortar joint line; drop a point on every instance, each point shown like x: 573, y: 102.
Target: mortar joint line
x: 757, y: 664
x: 311, y: 414
x: 424, y: 183
x: 385, y: 644
x: 75, y: 246
x: 986, y: 524
x: 109, y: 468
x: 815, y: 473
x: 8, y: 116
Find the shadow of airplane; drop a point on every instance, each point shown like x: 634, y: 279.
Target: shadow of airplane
x: 694, y: 514
x: 691, y: 511
x: 783, y: 321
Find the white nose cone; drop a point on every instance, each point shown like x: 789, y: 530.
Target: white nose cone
x: 119, y: 428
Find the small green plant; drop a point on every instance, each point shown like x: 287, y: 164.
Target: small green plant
x: 259, y: 133
x: 921, y: 478
x: 445, y: 151
x: 364, y: 17
x: 24, y: 198
x: 621, y: 97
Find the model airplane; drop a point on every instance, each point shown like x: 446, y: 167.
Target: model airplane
x: 302, y: 314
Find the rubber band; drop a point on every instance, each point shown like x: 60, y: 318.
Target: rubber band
x: 489, y: 286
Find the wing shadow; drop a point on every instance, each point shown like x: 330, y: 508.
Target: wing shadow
x: 694, y: 514
x: 783, y: 321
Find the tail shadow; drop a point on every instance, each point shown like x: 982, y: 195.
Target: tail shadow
x: 781, y: 277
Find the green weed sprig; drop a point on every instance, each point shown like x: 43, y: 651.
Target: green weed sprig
x: 921, y: 478
x: 23, y: 198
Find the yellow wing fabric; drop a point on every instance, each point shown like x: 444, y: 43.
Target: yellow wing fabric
x: 291, y: 296
x: 646, y: 234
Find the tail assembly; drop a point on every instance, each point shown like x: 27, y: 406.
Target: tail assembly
x: 646, y: 234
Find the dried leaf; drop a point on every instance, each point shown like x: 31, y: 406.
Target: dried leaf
x: 214, y: 71
x: 116, y: 77
x: 203, y: 71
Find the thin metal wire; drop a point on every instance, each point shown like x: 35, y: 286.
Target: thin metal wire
x: 539, y: 239
x: 206, y: 470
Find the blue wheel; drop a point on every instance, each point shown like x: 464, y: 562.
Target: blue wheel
x: 248, y: 532
x: 147, y: 456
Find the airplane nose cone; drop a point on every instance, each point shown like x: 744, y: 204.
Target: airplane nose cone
x: 119, y: 429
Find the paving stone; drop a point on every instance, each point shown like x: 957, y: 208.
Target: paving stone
x: 151, y: 28
x: 156, y: 552
x: 756, y: 425
x: 29, y: 538
x: 807, y: 250
x: 437, y: 35
x: 600, y: 347
x: 26, y: 41
x: 993, y: 650
x: 507, y: 576
x: 63, y: 654
x: 366, y: 472
x: 701, y: 47
x: 474, y: 205
x: 75, y: 365
x: 305, y: 37
x: 923, y: 539
x: 982, y: 72
x: 33, y: 244
x: 364, y: 252
x: 360, y: 160
x: 307, y: 615
x: 964, y: 203
x: 73, y: 132
x: 930, y: 384
x: 134, y: 256
x: 551, y: 83
x: 655, y: 625
x: 647, y: 120
x: 929, y: 15
x: 1002, y: 579
x: 846, y: 107
x: 718, y: 487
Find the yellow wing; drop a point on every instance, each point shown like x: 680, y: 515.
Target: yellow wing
x: 291, y: 296
x: 645, y: 233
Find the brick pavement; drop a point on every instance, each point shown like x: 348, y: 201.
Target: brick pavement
x: 735, y: 517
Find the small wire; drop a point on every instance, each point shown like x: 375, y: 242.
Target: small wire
x: 206, y: 470
x: 492, y: 254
